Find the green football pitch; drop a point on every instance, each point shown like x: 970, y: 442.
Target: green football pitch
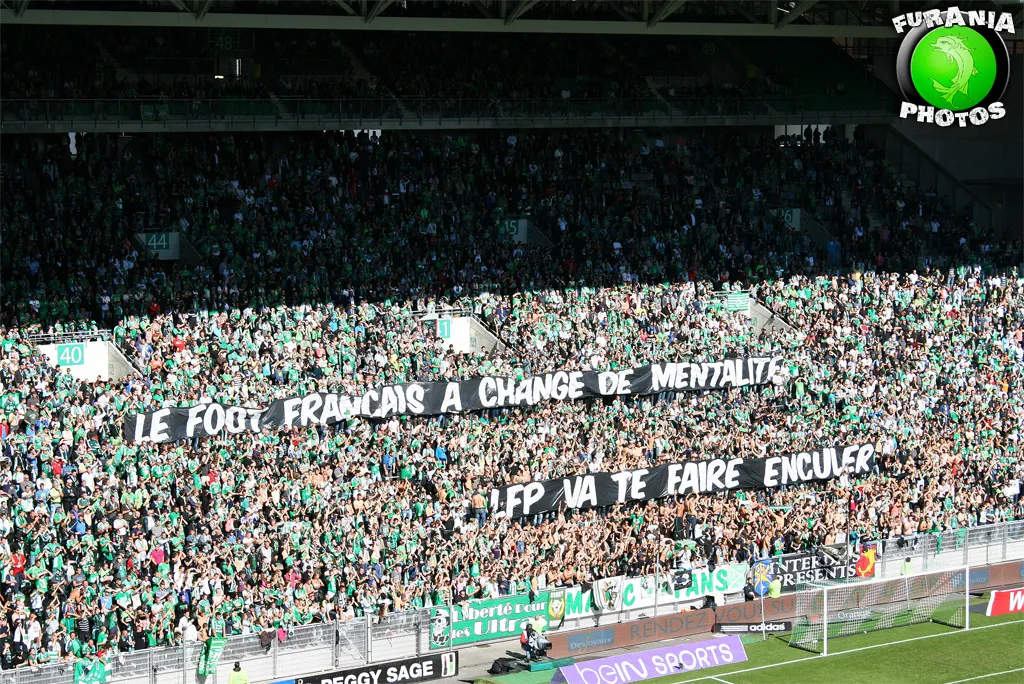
x: 991, y: 652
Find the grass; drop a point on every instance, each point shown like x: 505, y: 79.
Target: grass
x: 922, y: 654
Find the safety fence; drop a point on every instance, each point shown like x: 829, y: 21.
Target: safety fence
x: 286, y: 113
x: 982, y: 578
x: 67, y: 336
x: 308, y: 649
x: 888, y: 558
x: 970, y: 546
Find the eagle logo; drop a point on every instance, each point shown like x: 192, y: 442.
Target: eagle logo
x: 866, y: 564
x: 764, y: 573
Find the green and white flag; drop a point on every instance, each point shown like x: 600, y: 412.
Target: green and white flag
x: 91, y: 671
x: 210, y: 656
x: 738, y: 302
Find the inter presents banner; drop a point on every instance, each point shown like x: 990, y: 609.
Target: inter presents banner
x: 826, y: 563
x: 704, y: 477
x: 436, y: 398
x: 485, y: 619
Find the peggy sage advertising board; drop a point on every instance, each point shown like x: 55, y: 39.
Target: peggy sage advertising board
x: 422, y: 669
x: 659, y: 662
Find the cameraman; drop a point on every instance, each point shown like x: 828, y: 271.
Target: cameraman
x: 528, y: 640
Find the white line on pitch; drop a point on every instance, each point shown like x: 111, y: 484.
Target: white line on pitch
x: 855, y: 650
x: 994, y: 674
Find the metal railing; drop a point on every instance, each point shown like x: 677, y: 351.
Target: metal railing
x: 159, y: 113
x: 981, y: 545
x: 308, y: 649
x: 932, y: 551
x: 68, y: 336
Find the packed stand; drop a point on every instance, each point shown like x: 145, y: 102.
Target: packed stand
x: 694, y: 76
x: 52, y: 63
x: 316, y: 77
x: 317, y: 252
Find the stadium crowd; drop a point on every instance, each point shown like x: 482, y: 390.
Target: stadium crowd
x: 318, y: 256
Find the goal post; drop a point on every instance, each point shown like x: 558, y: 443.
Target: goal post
x: 828, y: 610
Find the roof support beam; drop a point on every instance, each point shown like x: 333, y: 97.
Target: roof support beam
x: 344, y: 6
x: 739, y: 9
x: 622, y: 13
x: 665, y: 11
x: 522, y: 8
x: 338, y: 22
x: 378, y: 8
x: 773, y: 13
x: 484, y: 10
x: 797, y: 11
x: 179, y: 5
x: 202, y: 8
x: 20, y: 7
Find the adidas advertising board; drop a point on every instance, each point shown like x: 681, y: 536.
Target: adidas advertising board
x: 755, y: 628
x: 424, y: 669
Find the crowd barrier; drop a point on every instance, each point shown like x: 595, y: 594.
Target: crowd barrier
x: 309, y: 649
x: 289, y: 113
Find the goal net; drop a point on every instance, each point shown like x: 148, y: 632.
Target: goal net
x: 830, y: 610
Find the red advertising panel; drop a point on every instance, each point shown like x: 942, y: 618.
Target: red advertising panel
x: 1006, y: 602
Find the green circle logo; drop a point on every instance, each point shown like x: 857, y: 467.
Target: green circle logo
x: 953, y: 68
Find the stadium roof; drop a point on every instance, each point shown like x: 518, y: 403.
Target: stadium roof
x: 803, y: 18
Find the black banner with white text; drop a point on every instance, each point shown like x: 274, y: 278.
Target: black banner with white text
x: 436, y: 398
x: 703, y: 477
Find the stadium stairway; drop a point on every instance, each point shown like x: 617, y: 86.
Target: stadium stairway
x: 282, y: 110
x: 910, y: 160
x: 652, y: 86
x: 847, y: 199
x: 656, y: 91
x: 766, y: 319
x: 106, y: 56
